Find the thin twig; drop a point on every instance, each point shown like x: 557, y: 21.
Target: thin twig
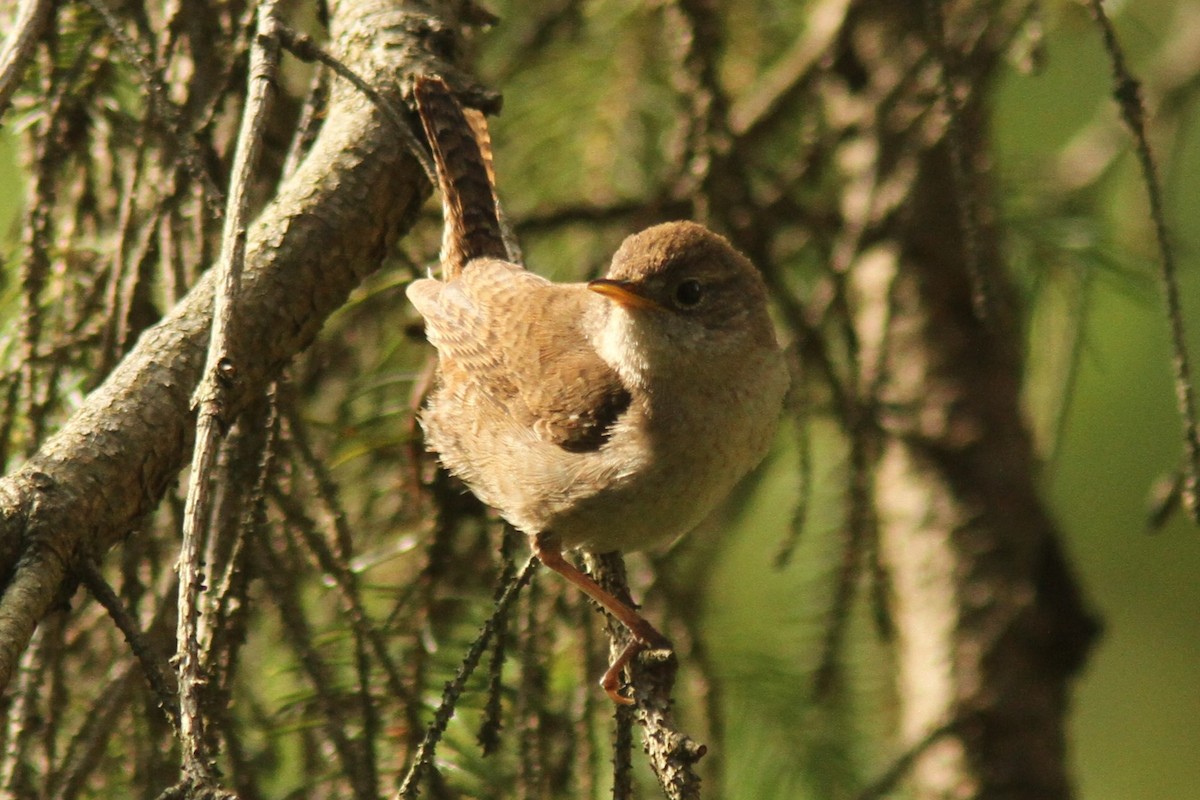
x: 762, y: 105
x: 704, y: 136
x: 590, y: 748
x: 617, y: 213
x: 531, y: 696
x: 22, y: 715
x: 859, y: 536
x: 312, y: 116
x: 161, y: 101
x: 489, y: 729
x: 31, y: 19
x: 411, y: 786
x: 38, y: 228
x: 886, y: 782
x: 88, y: 745
x: 111, y: 343
x: 803, y: 443
x: 219, y: 375
x: 561, y: 16
x: 1127, y: 93
x: 153, y: 665
x: 672, y: 753
x: 321, y: 676
x: 346, y: 582
x: 253, y: 455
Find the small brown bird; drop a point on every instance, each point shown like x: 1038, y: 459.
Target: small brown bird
x: 608, y: 415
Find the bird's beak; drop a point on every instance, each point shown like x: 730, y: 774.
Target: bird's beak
x: 622, y: 292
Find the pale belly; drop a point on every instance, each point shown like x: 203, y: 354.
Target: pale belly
x: 657, y: 477
x: 667, y: 489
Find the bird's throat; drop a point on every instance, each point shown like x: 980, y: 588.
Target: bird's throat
x: 627, y: 345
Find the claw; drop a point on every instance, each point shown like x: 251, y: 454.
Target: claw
x: 611, y: 680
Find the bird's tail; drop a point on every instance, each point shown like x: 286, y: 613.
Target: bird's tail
x: 462, y: 153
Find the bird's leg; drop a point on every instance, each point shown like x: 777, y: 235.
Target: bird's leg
x: 644, y: 634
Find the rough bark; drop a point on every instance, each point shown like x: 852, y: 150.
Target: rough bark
x: 93, y: 482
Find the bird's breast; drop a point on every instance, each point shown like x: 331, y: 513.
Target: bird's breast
x: 691, y: 445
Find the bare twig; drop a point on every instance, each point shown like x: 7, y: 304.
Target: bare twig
x: 249, y: 465
x: 311, y: 116
x: 1127, y: 93
x: 153, y: 665
x: 88, y: 745
x: 859, y: 537
x: 212, y: 405
x: 561, y: 16
x: 22, y: 719
x: 672, y: 753
x: 704, y: 137
x: 622, y: 749
x: 347, y: 584
x: 761, y: 106
x: 305, y: 49
x: 531, y: 695
x: 161, y: 102
x: 423, y: 759
x: 37, y: 235
x: 803, y: 444
x: 40, y: 227
x: 321, y: 676
x: 489, y: 729
x: 886, y: 783
x: 619, y: 212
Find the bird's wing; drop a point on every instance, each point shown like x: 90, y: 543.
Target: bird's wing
x: 510, y: 338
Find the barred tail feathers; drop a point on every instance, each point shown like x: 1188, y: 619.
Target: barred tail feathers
x: 462, y: 158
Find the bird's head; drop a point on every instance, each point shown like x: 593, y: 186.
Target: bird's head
x: 681, y: 296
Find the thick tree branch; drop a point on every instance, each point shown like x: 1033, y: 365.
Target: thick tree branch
x: 92, y: 483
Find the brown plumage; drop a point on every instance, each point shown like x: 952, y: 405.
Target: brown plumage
x: 610, y: 415
x: 462, y: 155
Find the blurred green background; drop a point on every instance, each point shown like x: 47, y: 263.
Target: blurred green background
x: 1137, y: 720
x: 1100, y: 397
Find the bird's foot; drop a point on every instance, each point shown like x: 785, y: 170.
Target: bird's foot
x: 611, y: 680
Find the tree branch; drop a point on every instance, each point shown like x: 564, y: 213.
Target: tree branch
x: 330, y: 224
x: 218, y: 379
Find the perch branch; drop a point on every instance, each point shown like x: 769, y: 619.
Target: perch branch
x: 410, y: 788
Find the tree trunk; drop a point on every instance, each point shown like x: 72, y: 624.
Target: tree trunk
x: 990, y: 626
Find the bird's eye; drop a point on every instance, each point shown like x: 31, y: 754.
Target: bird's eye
x: 688, y: 293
